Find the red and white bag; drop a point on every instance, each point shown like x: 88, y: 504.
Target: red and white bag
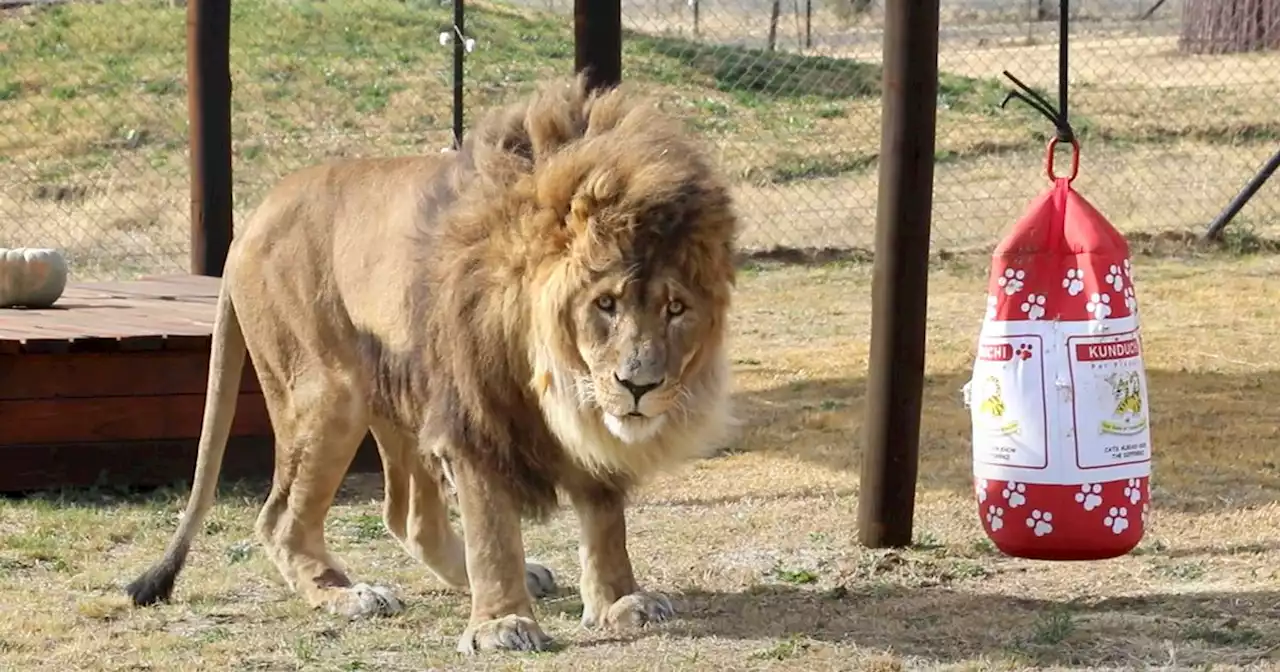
x: 1058, y: 398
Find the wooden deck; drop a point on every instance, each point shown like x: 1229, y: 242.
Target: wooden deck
x: 108, y: 387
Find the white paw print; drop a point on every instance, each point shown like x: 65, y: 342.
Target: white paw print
x: 1128, y: 270
x: 991, y: 307
x: 1011, y: 280
x: 981, y: 489
x: 995, y: 517
x: 1015, y: 493
x: 1090, y: 496
x: 1132, y: 491
x: 1117, y: 519
x: 1034, y: 306
x: 1146, y: 506
x: 1040, y: 522
x: 1114, y: 278
x: 1074, y: 282
x: 1099, y: 305
x: 1130, y: 301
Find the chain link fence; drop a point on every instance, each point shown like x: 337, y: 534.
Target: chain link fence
x: 93, y: 153
x: 1170, y: 129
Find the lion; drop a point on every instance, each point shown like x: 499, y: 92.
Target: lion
x: 539, y: 313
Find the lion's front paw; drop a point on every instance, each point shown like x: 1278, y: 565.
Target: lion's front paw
x: 511, y: 633
x: 540, y: 580
x: 634, y: 610
x: 363, y: 600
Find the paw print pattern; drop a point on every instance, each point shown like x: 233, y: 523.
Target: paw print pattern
x: 1090, y: 496
x: 1117, y: 519
x: 1015, y: 493
x: 1040, y: 522
x: 1133, y: 492
x: 1012, y: 280
x: 991, y: 307
x: 1099, y: 306
x: 981, y: 488
x: 1146, y: 507
x: 995, y: 517
x: 1074, y: 282
x: 1114, y: 278
x: 1130, y: 301
x: 1023, y: 351
x: 1128, y: 271
x: 1034, y: 306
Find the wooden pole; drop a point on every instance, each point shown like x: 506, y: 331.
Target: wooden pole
x: 886, y: 499
x: 209, y: 107
x: 597, y: 41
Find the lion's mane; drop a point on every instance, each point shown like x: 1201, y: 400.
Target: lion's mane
x: 541, y: 195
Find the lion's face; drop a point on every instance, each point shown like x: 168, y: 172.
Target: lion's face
x: 638, y: 337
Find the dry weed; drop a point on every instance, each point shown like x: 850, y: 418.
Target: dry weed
x: 758, y: 546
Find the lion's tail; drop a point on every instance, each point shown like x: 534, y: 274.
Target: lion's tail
x: 226, y: 362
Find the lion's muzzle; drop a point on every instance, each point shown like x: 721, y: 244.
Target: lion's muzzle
x: 637, y: 389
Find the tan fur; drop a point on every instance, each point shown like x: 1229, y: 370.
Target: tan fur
x: 487, y: 314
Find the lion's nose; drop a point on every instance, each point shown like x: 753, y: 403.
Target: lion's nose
x: 637, y: 391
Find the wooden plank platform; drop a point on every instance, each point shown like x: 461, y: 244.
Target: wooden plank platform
x: 108, y: 386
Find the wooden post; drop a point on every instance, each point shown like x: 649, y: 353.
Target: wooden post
x: 895, y: 384
x: 597, y: 41
x: 209, y: 107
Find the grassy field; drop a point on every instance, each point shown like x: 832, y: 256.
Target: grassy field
x: 758, y: 546
x: 93, y: 118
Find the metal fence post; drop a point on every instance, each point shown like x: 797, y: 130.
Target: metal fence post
x: 209, y: 107
x: 886, y: 498
x: 459, y: 52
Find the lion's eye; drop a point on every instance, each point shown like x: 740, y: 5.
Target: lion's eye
x: 675, y: 307
x: 605, y: 303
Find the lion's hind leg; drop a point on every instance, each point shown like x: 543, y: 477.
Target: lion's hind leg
x: 318, y: 431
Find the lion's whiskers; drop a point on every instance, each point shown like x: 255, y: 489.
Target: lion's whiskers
x: 683, y: 397
x: 585, y: 391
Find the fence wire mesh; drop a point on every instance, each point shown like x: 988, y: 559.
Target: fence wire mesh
x: 1174, y: 101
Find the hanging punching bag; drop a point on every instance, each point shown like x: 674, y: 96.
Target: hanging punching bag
x: 1058, y: 397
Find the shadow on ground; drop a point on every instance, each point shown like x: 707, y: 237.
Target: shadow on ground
x: 1214, y: 435
x: 949, y: 625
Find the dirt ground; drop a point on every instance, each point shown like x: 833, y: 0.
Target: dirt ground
x: 758, y: 546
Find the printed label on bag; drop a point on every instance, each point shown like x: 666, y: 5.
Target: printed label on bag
x: 1109, y: 407
x: 1008, y: 402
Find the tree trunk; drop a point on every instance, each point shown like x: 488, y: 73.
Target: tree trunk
x: 1229, y: 26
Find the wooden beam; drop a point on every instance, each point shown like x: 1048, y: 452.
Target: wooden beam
x: 895, y: 381
x: 209, y: 110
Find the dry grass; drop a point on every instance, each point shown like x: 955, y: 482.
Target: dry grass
x: 758, y: 545
x: 93, y: 109
x: 977, y: 200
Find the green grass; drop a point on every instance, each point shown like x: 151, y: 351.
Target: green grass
x: 81, y: 83
x: 93, y: 120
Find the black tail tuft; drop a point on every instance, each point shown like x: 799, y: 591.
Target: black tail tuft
x: 156, y: 584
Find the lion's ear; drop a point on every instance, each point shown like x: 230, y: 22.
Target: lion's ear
x: 598, y: 190
x: 579, y: 219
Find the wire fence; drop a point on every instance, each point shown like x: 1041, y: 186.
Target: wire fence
x: 1174, y: 101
